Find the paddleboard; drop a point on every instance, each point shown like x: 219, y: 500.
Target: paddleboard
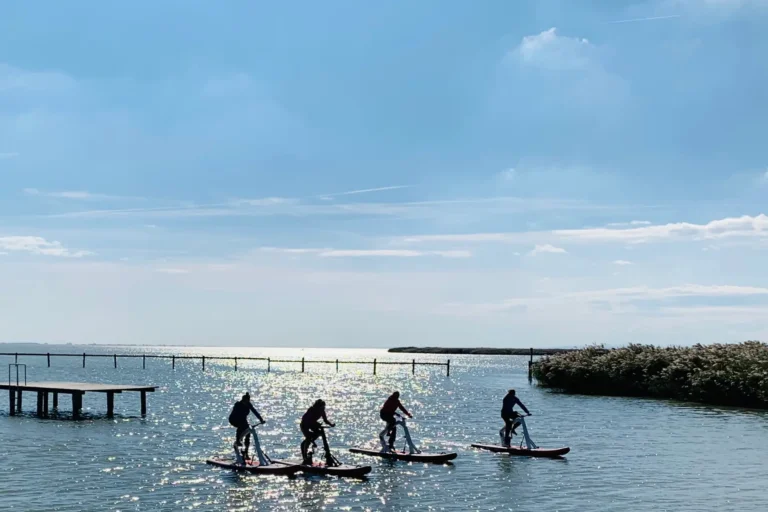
x: 437, y: 458
x: 319, y: 468
x: 518, y: 450
x: 253, y: 466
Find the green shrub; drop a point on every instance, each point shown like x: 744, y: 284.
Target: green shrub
x: 721, y: 374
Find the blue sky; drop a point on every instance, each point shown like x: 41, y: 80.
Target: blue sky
x: 528, y: 173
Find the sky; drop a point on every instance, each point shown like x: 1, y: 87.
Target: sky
x: 353, y: 174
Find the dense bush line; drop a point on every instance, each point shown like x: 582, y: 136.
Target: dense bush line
x: 722, y: 374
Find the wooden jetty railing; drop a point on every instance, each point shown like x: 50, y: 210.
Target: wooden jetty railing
x: 375, y: 363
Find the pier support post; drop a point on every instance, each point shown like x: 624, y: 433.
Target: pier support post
x: 18, y: 401
x: 302, y: 365
x: 49, y: 359
x: 143, y: 362
x: 173, y: 362
x: 413, y: 368
x: 235, y: 364
x: 115, y: 360
x: 39, y: 404
x: 12, y: 410
x: 269, y: 364
x: 203, y: 363
x: 83, y: 359
x: 530, y: 367
x: 143, y: 403
x: 45, y: 404
x: 77, y: 404
x: 55, y: 400
x: 374, y: 367
x: 110, y: 404
x: 448, y: 368
x: 337, y: 366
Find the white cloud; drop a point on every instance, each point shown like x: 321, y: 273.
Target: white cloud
x: 39, y: 245
x: 172, y: 271
x: 293, y: 207
x: 19, y: 80
x: 367, y: 253
x: 615, y: 297
x: 630, y: 223
x: 508, y: 175
x: 548, y: 50
x: 639, y: 232
x: 622, y: 262
x: 288, y: 250
x: 547, y: 248
x: 266, y: 201
x: 76, y: 195
x: 744, y: 226
x: 393, y: 253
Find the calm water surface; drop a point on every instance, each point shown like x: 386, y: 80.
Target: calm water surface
x: 626, y: 454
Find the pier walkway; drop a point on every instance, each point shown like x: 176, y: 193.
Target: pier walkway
x: 75, y: 389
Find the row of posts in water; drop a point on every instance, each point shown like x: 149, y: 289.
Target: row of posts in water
x: 203, y: 359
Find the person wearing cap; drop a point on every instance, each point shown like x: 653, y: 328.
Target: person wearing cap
x: 310, y: 426
x: 510, y: 416
x: 238, y: 418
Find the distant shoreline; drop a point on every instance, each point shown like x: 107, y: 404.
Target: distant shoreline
x: 482, y: 351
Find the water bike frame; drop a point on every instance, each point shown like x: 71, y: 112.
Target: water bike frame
x: 526, y: 437
x: 412, y: 448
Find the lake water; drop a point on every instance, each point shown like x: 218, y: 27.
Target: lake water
x: 626, y: 454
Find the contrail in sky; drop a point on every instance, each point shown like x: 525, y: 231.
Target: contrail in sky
x: 647, y: 19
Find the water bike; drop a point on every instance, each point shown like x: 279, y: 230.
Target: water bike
x: 530, y: 449
x: 413, y: 454
x: 331, y: 465
x: 262, y: 464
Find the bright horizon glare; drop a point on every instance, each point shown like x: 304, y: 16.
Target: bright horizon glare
x: 345, y: 174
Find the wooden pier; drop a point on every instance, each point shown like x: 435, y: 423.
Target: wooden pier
x: 76, y: 390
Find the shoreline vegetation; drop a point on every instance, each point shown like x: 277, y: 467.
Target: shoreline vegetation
x: 480, y: 351
x: 720, y: 374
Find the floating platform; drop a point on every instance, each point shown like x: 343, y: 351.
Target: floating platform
x: 76, y: 390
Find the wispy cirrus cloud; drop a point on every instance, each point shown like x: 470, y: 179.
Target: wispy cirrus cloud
x: 745, y: 226
x: 613, y: 296
x: 39, y: 245
x: 81, y: 195
x: 366, y: 253
x: 546, y: 249
x: 294, y: 207
x: 622, y: 263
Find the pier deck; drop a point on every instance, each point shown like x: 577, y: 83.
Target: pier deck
x: 76, y: 390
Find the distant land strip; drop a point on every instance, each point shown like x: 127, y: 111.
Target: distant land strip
x: 482, y: 351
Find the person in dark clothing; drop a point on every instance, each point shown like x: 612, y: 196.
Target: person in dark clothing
x: 310, y: 426
x: 387, y: 413
x: 510, y: 416
x: 238, y: 418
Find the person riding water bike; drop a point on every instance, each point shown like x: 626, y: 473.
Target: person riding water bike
x: 510, y: 416
x: 310, y: 427
x: 238, y: 418
x: 387, y: 413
